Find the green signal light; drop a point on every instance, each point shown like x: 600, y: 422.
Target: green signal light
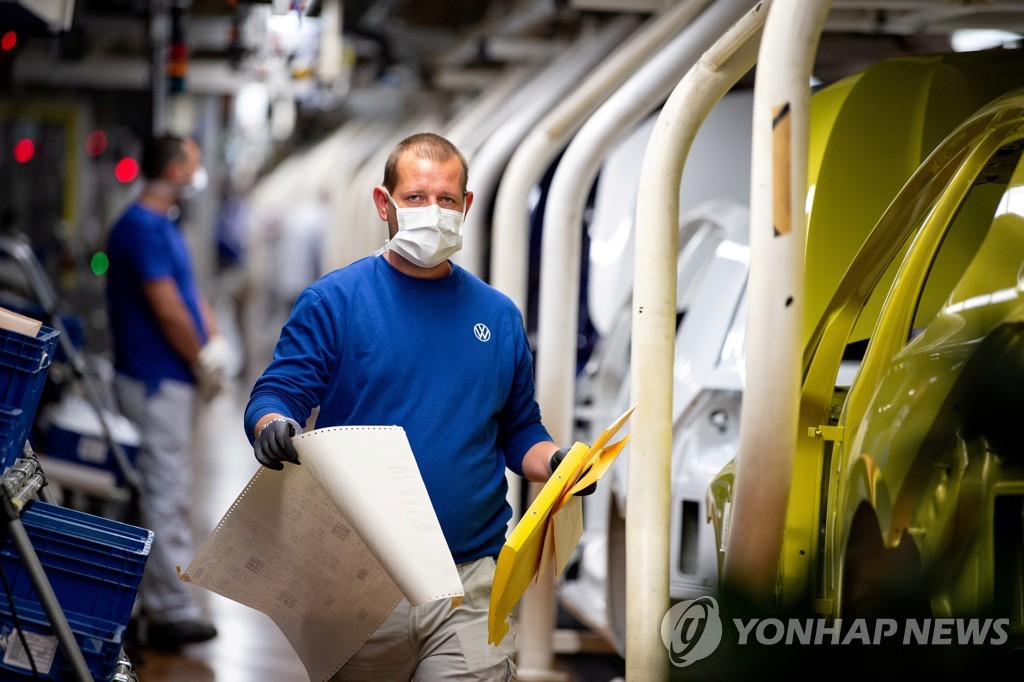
x: 99, y: 264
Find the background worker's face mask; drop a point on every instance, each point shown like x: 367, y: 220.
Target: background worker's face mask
x: 199, y: 182
x: 427, y: 235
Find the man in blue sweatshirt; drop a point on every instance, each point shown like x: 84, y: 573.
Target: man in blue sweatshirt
x: 407, y: 337
x: 167, y: 354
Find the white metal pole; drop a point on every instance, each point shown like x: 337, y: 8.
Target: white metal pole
x: 477, y: 120
x: 510, y: 232
x: 654, y: 321
x: 488, y: 164
x: 769, y: 419
x: 561, y: 239
x: 510, y: 240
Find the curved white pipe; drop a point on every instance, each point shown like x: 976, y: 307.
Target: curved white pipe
x: 510, y: 232
x: 561, y: 240
x: 351, y: 152
x: 654, y: 322
x: 487, y: 166
x: 561, y: 245
x: 771, y: 399
x: 510, y: 250
x: 471, y: 126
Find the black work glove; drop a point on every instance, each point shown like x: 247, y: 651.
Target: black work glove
x: 557, y: 458
x: 273, y: 446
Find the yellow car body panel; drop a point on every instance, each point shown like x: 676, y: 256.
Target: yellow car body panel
x: 869, y: 133
x: 908, y: 413
x: 900, y: 453
x: 837, y: 229
x: 934, y: 285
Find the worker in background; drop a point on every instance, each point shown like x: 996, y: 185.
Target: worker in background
x: 407, y: 337
x: 166, y: 353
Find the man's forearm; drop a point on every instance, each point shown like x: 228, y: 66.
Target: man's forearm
x: 173, y: 317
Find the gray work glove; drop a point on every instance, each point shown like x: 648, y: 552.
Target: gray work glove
x: 273, y: 446
x: 557, y: 458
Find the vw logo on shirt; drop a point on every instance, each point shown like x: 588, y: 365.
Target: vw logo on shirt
x: 481, y: 332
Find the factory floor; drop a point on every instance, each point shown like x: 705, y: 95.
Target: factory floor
x: 249, y: 647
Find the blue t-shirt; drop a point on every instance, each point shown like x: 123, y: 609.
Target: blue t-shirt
x: 145, y: 246
x: 446, y: 359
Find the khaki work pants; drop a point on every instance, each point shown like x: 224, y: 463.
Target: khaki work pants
x: 436, y: 642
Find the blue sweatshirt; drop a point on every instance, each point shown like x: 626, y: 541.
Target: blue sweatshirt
x: 446, y: 359
x: 145, y: 246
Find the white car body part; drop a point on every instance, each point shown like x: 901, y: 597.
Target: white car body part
x: 707, y: 391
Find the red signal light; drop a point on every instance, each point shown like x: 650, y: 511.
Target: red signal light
x: 127, y: 169
x: 95, y: 143
x: 24, y: 150
x: 9, y: 40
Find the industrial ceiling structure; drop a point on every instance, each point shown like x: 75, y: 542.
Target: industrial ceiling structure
x: 307, y: 66
x: 111, y: 44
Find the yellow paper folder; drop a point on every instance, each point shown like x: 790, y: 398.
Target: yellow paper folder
x: 550, y: 529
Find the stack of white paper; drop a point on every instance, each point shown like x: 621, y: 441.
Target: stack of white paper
x: 328, y: 548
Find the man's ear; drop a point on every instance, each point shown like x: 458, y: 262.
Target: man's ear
x: 380, y: 200
x: 469, y: 202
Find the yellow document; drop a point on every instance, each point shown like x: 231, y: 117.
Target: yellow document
x: 550, y: 529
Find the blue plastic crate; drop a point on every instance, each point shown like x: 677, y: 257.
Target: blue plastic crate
x: 10, y: 421
x: 73, y: 325
x: 94, y: 564
x: 85, y: 449
x: 99, y: 641
x: 24, y: 362
x: 71, y: 430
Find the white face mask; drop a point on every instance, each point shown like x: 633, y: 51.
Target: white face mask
x: 427, y: 235
x: 200, y: 180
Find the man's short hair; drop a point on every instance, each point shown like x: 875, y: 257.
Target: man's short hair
x: 424, y: 146
x: 158, y: 152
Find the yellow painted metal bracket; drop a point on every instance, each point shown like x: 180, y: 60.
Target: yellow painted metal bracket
x: 832, y: 433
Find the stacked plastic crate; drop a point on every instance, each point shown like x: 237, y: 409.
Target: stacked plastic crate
x: 93, y: 564
x: 24, y: 363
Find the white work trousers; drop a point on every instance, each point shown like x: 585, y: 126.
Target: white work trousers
x: 164, y: 463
